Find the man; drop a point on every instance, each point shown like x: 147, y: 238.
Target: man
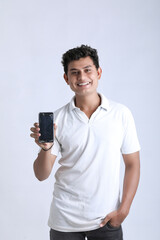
x: 92, y: 133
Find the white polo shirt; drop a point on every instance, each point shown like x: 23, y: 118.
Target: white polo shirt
x: 87, y: 181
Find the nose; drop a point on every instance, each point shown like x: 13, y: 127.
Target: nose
x: 81, y: 76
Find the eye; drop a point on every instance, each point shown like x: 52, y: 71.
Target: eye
x: 74, y: 73
x: 87, y: 70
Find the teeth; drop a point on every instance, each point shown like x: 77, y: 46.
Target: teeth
x: 83, y: 84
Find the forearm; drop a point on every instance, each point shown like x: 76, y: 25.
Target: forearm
x: 130, y: 184
x: 43, y: 164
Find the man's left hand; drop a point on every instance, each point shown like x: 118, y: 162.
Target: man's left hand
x: 115, y: 218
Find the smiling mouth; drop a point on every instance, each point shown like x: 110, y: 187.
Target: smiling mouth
x: 83, y: 84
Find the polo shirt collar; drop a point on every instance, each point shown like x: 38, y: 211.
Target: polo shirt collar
x: 104, y: 103
x: 72, y: 104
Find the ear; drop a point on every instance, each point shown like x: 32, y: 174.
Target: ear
x: 66, y: 78
x: 99, y: 72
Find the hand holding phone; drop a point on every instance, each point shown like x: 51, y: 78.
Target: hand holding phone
x: 36, y: 135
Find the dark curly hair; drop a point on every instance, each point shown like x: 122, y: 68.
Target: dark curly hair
x: 77, y: 53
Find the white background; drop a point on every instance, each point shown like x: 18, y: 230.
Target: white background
x: 33, y: 36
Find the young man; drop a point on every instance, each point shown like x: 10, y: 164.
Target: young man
x: 92, y: 134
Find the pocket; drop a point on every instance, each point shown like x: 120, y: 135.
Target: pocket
x: 112, y: 227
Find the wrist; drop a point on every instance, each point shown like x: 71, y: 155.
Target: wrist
x: 124, y: 210
x: 47, y: 149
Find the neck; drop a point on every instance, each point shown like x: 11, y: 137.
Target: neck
x: 88, y: 103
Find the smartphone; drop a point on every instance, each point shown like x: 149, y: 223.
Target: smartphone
x: 46, y: 121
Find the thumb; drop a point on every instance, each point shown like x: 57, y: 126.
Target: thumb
x: 107, y: 219
x: 55, y: 128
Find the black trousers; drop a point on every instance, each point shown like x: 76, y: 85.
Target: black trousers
x: 104, y: 233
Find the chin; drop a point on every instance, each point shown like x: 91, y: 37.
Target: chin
x: 85, y: 93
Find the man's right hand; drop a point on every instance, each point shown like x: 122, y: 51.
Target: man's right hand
x: 35, y: 134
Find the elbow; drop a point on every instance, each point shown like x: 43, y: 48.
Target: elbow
x: 40, y: 178
x: 38, y: 174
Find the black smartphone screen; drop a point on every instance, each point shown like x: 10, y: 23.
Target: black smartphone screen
x: 46, y: 127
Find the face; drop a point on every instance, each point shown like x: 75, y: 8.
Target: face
x: 83, y: 76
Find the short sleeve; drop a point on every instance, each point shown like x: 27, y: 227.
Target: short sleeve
x: 130, y: 143
x: 56, y: 148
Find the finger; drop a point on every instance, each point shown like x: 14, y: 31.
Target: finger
x: 55, y: 127
x: 104, y: 222
x: 35, y: 135
x: 36, y: 124
x: 107, y: 218
x: 35, y: 130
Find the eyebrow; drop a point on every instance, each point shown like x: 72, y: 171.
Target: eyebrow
x: 75, y: 69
